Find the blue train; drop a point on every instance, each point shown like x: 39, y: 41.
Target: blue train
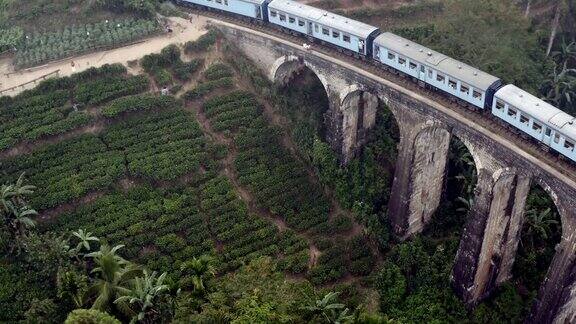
x: 462, y: 82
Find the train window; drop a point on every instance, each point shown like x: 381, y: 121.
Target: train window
x: 524, y: 119
x: 315, y: 28
x: 335, y: 34
x: 391, y: 56
x: 325, y: 31
x: 499, y: 105
x: 413, y: 66
x: 464, y: 89
x: 225, y: 2
x: 291, y: 20
x: 218, y: 1
x: 429, y: 73
x: 346, y: 38
x: 401, y: 60
x: 556, y: 138
x: 452, y: 84
x: 301, y: 23
x: 512, y: 112
x: 537, y: 127
x: 282, y: 17
x: 569, y: 145
x: 273, y: 13
x: 439, y: 77
x: 548, y: 132
x: 477, y: 94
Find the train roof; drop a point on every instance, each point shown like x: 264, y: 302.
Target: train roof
x: 323, y: 17
x: 442, y: 63
x: 539, y: 109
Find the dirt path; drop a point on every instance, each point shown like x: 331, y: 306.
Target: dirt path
x: 28, y: 147
x: 51, y: 213
x: 184, y: 31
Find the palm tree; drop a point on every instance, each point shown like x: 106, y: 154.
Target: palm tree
x: 540, y: 224
x: 330, y: 310
x: 85, y: 239
x: 198, y: 269
x: 144, y: 294
x: 566, y: 53
x: 466, y: 204
x: 113, y: 274
x: 15, y: 212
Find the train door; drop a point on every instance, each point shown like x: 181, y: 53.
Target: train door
x: 547, y: 135
x: 361, y: 46
x: 309, y: 28
x: 422, y: 73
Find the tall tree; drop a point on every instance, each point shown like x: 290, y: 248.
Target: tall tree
x: 113, y: 274
x: 561, y: 6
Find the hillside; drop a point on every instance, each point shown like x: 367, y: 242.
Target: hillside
x: 220, y: 201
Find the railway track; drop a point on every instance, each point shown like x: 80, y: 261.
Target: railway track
x: 485, y: 120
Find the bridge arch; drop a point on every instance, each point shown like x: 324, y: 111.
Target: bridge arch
x: 286, y: 67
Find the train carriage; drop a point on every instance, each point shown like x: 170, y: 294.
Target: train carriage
x: 325, y: 26
x: 537, y: 118
x: 255, y: 9
x: 436, y: 69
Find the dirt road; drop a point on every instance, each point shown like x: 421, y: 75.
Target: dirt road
x: 183, y: 31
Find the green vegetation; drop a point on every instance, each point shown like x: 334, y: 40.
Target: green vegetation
x: 67, y: 170
x: 202, y: 44
x: 137, y: 103
x: 168, y: 63
x: 37, y: 116
x: 216, y: 76
x: 38, y: 48
x: 163, y: 145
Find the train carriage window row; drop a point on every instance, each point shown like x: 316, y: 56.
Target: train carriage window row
x: 442, y: 73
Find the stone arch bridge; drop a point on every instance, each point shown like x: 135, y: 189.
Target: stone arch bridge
x: 505, y: 171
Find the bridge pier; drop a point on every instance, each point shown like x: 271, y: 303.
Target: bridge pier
x: 358, y: 111
x: 491, y: 234
x: 419, y: 177
x: 556, y: 301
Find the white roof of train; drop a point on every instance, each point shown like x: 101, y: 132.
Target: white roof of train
x: 442, y: 63
x: 539, y: 109
x: 323, y: 17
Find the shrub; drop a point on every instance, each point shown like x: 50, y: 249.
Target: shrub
x: 138, y: 103
x: 90, y: 316
x: 170, y: 243
x: 184, y: 71
x: 206, y: 87
x: 202, y: 43
x: 217, y: 71
x: 163, y: 77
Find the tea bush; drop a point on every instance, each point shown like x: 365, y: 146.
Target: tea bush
x: 73, y: 40
x: 138, y: 103
x: 161, y: 145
